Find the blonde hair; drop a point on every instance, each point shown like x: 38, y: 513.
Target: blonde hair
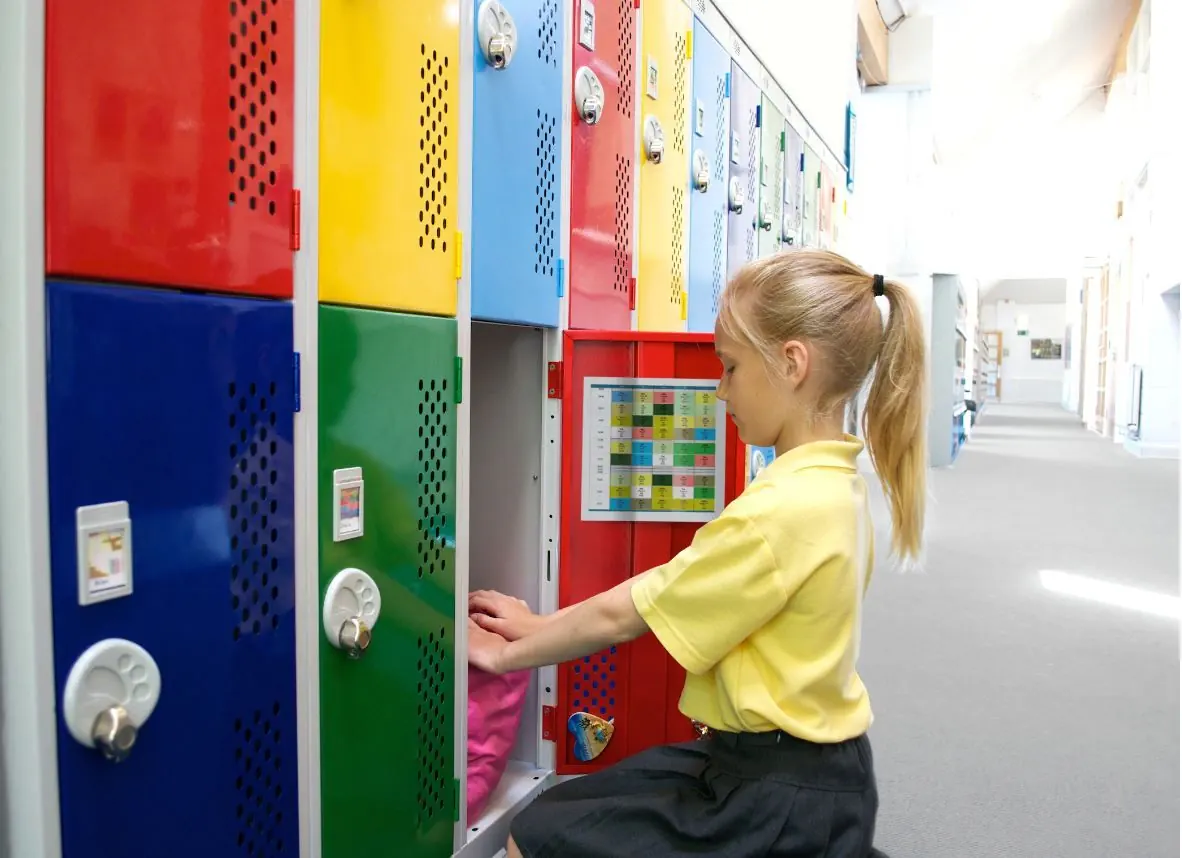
x: 825, y: 300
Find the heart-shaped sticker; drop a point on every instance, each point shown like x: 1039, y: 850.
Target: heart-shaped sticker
x: 592, y: 734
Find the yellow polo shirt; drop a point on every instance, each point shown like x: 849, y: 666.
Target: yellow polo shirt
x: 764, y: 609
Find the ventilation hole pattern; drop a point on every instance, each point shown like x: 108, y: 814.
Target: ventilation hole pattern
x: 253, y: 95
x: 622, y: 252
x: 549, y: 49
x: 720, y: 141
x: 594, y: 685
x: 254, y: 508
x: 778, y: 184
x: 433, y: 122
x: 546, y: 194
x: 752, y: 159
x: 719, y: 260
x: 260, y: 794
x: 430, y: 751
x: 677, y: 270
x: 752, y: 180
x: 625, y: 47
x: 433, y: 408
x: 680, y: 95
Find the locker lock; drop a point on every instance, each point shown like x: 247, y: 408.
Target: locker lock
x: 589, y: 99
x: 654, y: 139
x: 497, y: 34
x: 734, y: 195
x: 701, y: 171
x: 765, y: 216
x: 111, y: 691
x: 354, y: 637
x: 352, y: 604
x: 114, y: 734
x: 786, y: 230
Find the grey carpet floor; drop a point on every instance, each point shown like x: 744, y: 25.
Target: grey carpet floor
x: 1013, y: 722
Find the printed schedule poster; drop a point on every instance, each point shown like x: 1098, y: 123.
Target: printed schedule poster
x: 654, y: 449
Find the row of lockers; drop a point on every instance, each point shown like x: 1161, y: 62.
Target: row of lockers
x: 171, y: 142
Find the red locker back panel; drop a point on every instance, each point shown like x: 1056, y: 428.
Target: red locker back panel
x: 603, y: 173
x: 168, y: 136
x: 638, y: 685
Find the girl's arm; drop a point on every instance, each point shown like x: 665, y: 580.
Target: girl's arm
x: 588, y: 627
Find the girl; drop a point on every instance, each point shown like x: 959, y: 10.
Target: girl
x: 764, y: 609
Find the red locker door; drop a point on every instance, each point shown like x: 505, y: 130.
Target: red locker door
x: 636, y: 685
x: 603, y: 170
x: 168, y: 136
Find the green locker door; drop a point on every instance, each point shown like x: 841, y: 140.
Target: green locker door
x: 387, y: 393
x: 771, y: 177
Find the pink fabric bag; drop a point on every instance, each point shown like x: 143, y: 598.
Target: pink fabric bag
x: 495, y: 704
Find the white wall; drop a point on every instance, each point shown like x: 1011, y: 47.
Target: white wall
x: 1165, y: 91
x: 810, y: 48
x: 1024, y: 379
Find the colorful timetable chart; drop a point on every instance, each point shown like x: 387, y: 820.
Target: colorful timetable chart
x: 654, y: 449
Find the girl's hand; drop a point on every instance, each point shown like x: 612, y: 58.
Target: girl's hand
x: 503, y: 615
x: 485, y: 649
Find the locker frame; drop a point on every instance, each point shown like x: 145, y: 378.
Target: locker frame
x: 306, y: 308
x: 30, y: 815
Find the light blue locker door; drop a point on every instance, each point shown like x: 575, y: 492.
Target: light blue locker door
x: 517, y: 276
x: 793, y: 189
x: 743, y: 186
x: 708, y: 179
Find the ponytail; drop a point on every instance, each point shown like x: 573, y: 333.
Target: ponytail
x: 893, y: 422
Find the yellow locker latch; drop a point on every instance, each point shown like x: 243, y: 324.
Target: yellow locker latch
x: 689, y: 45
x: 459, y: 246
x: 684, y: 305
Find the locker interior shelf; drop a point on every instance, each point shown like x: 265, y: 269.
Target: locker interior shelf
x: 519, y: 786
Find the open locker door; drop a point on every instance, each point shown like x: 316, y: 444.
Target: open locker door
x: 622, y: 500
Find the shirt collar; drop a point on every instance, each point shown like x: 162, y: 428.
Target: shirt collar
x: 820, y: 454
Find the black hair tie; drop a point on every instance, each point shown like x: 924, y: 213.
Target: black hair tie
x: 879, y: 286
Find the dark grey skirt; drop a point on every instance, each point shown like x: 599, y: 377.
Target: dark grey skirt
x: 729, y: 796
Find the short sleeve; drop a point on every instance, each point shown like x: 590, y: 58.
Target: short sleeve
x: 714, y: 594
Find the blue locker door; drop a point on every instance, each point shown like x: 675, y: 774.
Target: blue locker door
x: 708, y: 208
x: 793, y: 188
x: 181, y: 406
x: 741, y: 239
x: 517, y: 170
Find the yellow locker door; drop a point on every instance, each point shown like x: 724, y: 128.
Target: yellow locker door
x: 389, y: 154
x: 665, y: 93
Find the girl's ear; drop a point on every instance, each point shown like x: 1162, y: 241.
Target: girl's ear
x: 796, y: 363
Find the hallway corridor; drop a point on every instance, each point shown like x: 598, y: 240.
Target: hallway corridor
x: 1013, y: 721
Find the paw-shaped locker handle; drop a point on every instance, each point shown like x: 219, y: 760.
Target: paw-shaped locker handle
x: 352, y: 605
